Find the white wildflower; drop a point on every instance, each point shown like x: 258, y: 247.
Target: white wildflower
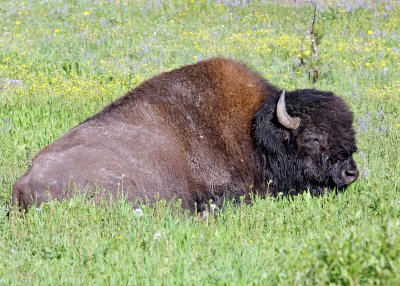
x: 157, y: 235
x: 138, y: 212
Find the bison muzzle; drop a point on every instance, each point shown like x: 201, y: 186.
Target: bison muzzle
x: 200, y: 133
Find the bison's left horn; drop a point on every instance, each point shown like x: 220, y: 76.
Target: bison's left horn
x: 283, y: 117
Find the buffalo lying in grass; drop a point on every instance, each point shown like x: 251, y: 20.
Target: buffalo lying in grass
x: 202, y: 132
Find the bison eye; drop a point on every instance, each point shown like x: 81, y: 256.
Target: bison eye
x: 311, y: 142
x: 314, y: 143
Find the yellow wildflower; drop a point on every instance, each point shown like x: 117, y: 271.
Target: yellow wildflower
x: 17, y: 22
x: 370, y: 32
x: 86, y: 13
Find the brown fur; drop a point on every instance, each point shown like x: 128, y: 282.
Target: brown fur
x: 190, y: 134
x: 201, y: 146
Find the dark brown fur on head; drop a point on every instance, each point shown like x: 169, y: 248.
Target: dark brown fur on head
x: 317, y: 156
x: 203, y: 132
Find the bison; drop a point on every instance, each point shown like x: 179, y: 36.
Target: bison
x: 200, y: 133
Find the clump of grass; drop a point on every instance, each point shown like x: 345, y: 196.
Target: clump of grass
x: 87, y: 55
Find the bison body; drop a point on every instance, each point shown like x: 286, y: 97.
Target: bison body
x: 203, y: 132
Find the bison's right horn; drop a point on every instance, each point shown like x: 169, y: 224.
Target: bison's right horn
x: 283, y: 117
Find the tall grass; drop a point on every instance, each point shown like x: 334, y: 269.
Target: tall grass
x: 61, y: 61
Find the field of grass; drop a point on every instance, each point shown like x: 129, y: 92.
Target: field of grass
x: 62, y: 61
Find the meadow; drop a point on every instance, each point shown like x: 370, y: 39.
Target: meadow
x: 62, y: 61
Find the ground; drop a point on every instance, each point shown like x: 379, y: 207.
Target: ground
x: 62, y: 62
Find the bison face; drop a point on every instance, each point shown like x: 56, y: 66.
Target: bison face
x: 321, y: 165
x: 305, y: 141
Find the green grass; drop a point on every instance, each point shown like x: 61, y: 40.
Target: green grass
x: 74, y: 57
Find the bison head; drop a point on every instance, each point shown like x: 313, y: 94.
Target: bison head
x: 304, y: 140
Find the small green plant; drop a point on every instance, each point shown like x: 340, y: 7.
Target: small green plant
x: 62, y: 61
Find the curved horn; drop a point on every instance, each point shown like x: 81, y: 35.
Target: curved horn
x: 283, y: 117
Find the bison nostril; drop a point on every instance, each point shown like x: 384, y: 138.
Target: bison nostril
x: 349, y: 176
